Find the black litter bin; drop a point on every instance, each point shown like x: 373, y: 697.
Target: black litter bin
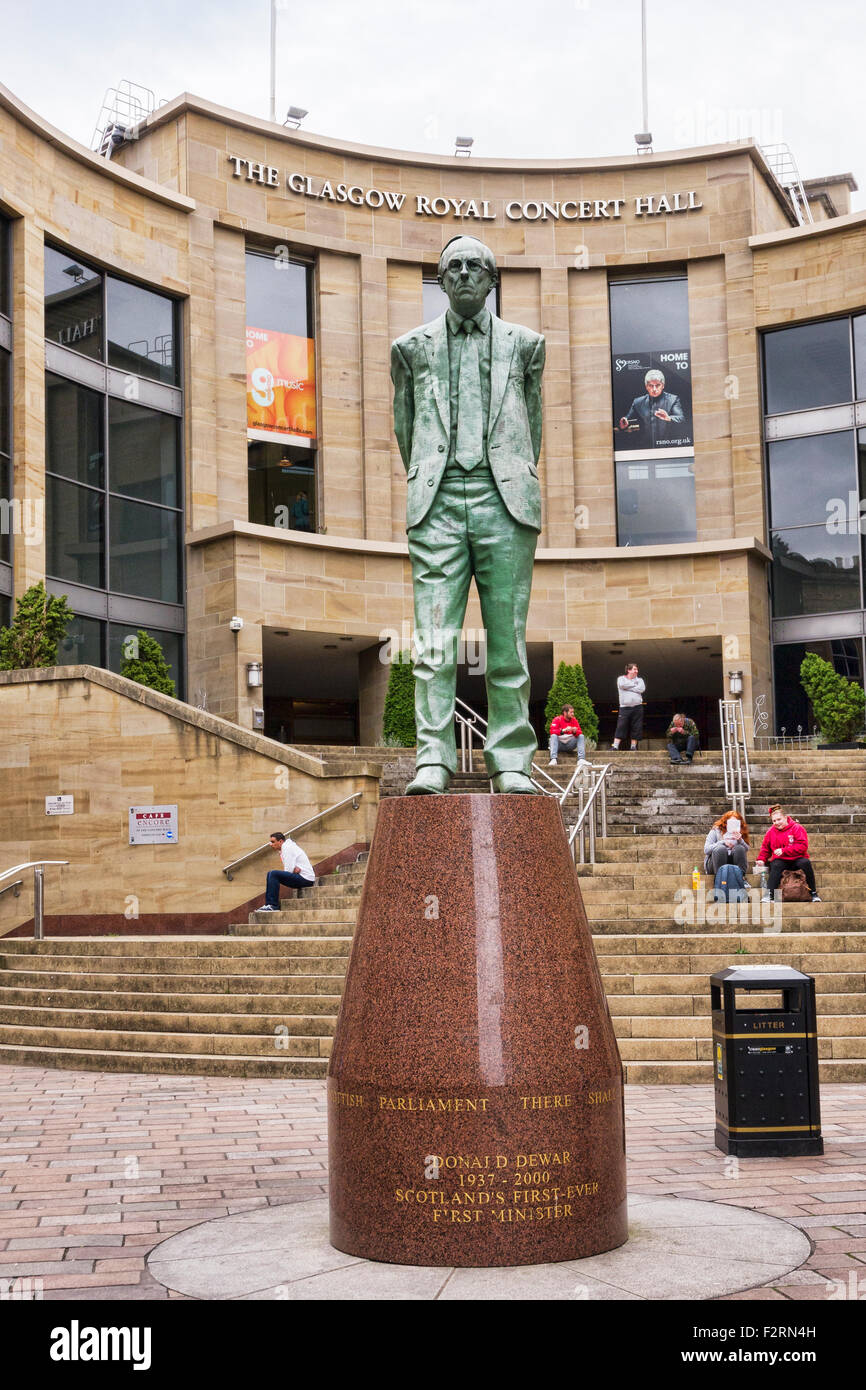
x: 765, y: 1061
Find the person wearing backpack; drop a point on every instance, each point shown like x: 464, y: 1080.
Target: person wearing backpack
x: 726, y: 850
x: 785, y: 846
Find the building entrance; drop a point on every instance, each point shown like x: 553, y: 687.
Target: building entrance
x: 682, y: 674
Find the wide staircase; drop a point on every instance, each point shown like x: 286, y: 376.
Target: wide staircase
x: 263, y: 1000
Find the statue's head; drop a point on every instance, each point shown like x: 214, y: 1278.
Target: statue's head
x: 467, y: 273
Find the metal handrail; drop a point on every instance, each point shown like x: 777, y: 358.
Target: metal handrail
x: 598, y: 790
x: 15, y: 888
x: 38, y: 867
x: 471, y: 724
x: 355, y: 800
x: 735, y: 754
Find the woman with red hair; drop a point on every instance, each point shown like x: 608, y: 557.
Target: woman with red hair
x: 727, y: 843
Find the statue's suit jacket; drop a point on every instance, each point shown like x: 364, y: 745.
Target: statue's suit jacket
x: 422, y: 415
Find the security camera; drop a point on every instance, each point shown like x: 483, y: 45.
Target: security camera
x: 235, y: 624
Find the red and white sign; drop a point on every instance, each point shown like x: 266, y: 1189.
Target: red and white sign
x: 152, y: 825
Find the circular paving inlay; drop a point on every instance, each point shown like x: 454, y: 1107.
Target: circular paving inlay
x: 677, y: 1248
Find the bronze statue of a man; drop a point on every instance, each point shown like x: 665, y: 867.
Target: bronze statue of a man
x: 467, y: 416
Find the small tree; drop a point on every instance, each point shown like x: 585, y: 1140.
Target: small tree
x: 398, y: 719
x: 570, y: 688
x: 838, y: 702
x: 40, y: 623
x: 144, y: 663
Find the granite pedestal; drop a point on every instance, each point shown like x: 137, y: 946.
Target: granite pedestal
x: 475, y: 1106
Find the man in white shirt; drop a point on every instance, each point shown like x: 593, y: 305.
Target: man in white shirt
x: 630, y: 722
x: 297, y: 871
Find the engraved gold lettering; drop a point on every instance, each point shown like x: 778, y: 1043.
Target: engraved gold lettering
x: 546, y: 1102
x: 599, y: 1097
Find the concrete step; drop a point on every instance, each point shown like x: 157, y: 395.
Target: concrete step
x: 165, y: 1063
x: 292, y: 1020
x: 131, y: 1002
x: 296, y: 949
x: 178, y: 1044
x: 325, y: 976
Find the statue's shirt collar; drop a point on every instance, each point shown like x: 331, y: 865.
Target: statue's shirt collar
x: 482, y: 320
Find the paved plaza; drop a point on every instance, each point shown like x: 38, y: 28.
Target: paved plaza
x: 96, y: 1170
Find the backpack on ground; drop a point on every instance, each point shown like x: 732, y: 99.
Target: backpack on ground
x: 729, y: 885
x: 794, y: 887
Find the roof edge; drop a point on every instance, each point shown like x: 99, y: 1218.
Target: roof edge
x: 189, y: 102
x: 66, y: 145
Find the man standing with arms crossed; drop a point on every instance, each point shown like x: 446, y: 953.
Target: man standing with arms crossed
x: 630, y: 722
x: 467, y: 416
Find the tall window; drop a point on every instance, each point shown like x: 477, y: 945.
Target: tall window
x: 816, y: 478
x: 6, y: 513
x: 114, y: 519
x: 652, y: 407
x: 281, y: 392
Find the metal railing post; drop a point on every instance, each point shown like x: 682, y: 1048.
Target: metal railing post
x: 38, y: 902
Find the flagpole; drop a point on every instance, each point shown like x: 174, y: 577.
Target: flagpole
x: 273, y: 60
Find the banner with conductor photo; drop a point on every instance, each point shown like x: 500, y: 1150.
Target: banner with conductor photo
x: 652, y: 401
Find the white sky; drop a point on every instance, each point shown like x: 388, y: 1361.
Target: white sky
x: 557, y: 78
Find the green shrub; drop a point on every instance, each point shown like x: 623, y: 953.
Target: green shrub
x: 147, y: 665
x: 398, y: 719
x: 40, y: 623
x: 838, y: 703
x: 570, y: 688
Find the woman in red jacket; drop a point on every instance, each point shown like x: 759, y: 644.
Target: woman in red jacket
x: 785, y: 846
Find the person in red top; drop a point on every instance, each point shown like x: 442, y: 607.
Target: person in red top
x: 785, y: 846
x: 566, y: 733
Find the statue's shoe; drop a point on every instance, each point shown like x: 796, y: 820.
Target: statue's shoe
x: 511, y: 782
x: 429, y: 781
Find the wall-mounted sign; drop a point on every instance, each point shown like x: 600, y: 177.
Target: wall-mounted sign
x: 59, y: 805
x: 652, y: 400
x: 281, y: 383
x: 480, y: 209
x: 152, y: 825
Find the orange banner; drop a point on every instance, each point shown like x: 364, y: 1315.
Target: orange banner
x: 281, y: 382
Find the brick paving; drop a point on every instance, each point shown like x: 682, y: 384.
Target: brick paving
x: 96, y: 1169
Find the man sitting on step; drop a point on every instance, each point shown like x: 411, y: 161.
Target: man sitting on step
x: 297, y: 871
x: 566, y: 733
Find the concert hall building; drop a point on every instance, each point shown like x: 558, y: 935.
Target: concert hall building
x: 195, y: 410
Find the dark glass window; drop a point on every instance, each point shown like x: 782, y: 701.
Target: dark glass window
x: 860, y: 356
x: 75, y: 540
x: 5, y: 267
x: 811, y: 477
x: 74, y: 431
x: 5, y: 403
x: 73, y: 304
x: 144, y: 551
x: 649, y: 315
x: 792, y: 707
x: 815, y: 571
x: 436, y: 300
x: 278, y: 293
x: 655, y: 501
x: 5, y: 452
x: 171, y: 643
x: 5, y: 610
x: 82, y: 645
x: 141, y: 331
x: 282, y: 486
x: 807, y: 366
x: 143, y: 453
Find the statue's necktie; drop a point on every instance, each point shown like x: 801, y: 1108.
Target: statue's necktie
x: 470, y: 424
